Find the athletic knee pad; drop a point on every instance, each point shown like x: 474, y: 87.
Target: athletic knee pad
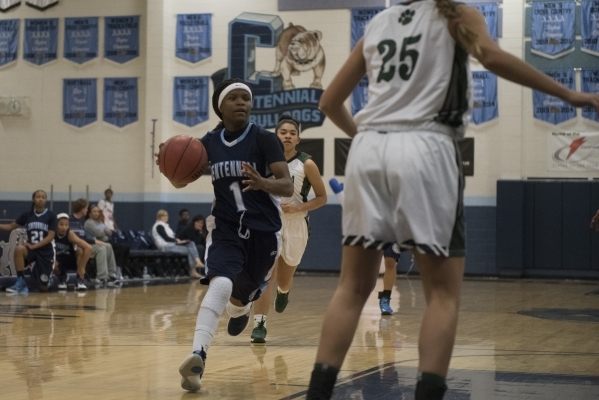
x: 236, y: 311
x: 218, y: 294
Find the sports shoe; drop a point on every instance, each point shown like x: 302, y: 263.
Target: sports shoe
x: 192, y: 369
x: 62, y: 285
x: 80, y: 284
x: 259, y: 332
x: 19, y: 287
x: 281, y: 301
x: 112, y: 282
x: 384, y: 301
x: 238, y: 325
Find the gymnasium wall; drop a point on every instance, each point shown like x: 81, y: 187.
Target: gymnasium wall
x: 43, y: 150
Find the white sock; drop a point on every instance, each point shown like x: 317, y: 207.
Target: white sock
x: 282, y: 291
x: 212, y: 307
x: 259, y: 318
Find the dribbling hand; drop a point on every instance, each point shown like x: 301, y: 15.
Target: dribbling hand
x: 175, y: 184
x: 254, y: 181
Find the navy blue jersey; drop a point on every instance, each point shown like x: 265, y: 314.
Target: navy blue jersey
x: 63, y: 246
x: 37, y: 226
x: 254, y: 209
x: 76, y: 225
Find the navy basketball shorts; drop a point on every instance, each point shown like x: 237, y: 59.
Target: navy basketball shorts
x: 392, y: 252
x: 247, y: 262
x: 66, y: 262
x: 44, y: 264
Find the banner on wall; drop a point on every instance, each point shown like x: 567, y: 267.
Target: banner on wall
x: 359, y: 19
x: 41, y: 40
x: 484, y: 96
x: 79, y: 102
x: 190, y: 100
x: 120, y: 101
x: 81, y: 39
x: 553, y: 28
x: 6, y: 5
x: 589, y: 84
x: 589, y: 29
x: 121, y: 38
x: 9, y: 40
x: 551, y: 109
x: 491, y: 13
x: 573, y: 151
x: 41, y: 5
x: 194, y: 37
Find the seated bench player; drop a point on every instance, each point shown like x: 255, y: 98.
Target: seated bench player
x: 72, y: 253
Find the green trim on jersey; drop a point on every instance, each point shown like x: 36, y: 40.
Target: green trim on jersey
x: 303, y: 157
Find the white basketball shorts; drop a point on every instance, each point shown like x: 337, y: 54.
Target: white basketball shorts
x: 294, y: 234
x: 404, y: 187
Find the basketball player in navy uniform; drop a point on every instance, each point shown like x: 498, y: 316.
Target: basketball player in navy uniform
x: 41, y: 228
x: 404, y: 180
x: 244, y: 238
x: 72, y: 253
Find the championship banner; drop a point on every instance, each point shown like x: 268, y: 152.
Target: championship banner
x: 79, y: 102
x: 553, y: 28
x: 121, y: 38
x: 359, y: 19
x: 589, y: 29
x: 41, y: 40
x: 491, y: 13
x: 484, y: 96
x: 573, y: 151
x: 7, y: 5
x: 194, y: 37
x: 551, y: 109
x: 81, y: 39
x: 41, y: 5
x: 9, y: 41
x: 120, y: 101
x: 589, y: 84
x: 190, y: 100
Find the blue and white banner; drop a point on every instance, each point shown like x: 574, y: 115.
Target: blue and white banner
x: 484, y: 96
x: 589, y: 84
x: 551, y: 109
x: 553, y: 28
x: 121, y: 38
x: 191, y: 100
x: 194, y: 37
x: 41, y: 40
x: 589, y: 29
x: 9, y: 40
x: 359, y: 19
x: 491, y: 13
x: 120, y: 101
x: 81, y: 39
x: 79, y: 102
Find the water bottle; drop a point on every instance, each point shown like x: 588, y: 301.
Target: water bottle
x: 338, y: 190
x: 145, y: 273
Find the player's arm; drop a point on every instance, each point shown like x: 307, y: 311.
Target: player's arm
x: 48, y: 239
x: 9, y: 227
x: 348, y: 77
x: 313, y: 175
x: 76, y: 240
x: 508, y: 66
x: 595, y: 221
x: 280, y: 186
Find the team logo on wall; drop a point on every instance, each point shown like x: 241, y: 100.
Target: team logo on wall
x: 298, y: 53
x: 573, y: 151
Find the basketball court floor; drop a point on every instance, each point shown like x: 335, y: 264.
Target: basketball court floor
x: 520, y: 339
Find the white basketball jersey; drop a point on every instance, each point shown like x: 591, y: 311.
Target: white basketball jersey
x: 417, y: 73
x: 301, y: 185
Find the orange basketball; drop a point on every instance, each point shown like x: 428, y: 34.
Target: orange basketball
x: 183, y: 159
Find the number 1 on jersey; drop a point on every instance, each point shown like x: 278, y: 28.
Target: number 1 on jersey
x: 236, y: 189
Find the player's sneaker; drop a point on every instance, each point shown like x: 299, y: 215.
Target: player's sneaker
x: 384, y: 304
x: 62, y: 285
x: 80, y: 284
x: 113, y: 281
x: 238, y: 325
x: 192, y: 369
x: 281, y: 301
x: 259, y: 332
x: 19, y: 287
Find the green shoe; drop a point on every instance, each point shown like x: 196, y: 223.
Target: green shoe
x: 281, y: 301
x: 259, y: 333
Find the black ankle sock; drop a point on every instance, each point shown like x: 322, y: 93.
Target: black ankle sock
x: 430, y: 387
x: 322, y: 382
x: 20, y: 274
x: 385, y: 294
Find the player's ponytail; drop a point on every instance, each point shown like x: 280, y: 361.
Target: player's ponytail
x: 448, y: 9
x: 288, y: 119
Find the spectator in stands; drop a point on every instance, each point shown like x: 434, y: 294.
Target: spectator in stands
x: 595, y: 221
x: 103, y: 254
x: 183, y: 220
x: 165, y: 240
x: 95, y: 227
x: 196, y: 232
x: 72, y: 252
x: 107, y: 208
